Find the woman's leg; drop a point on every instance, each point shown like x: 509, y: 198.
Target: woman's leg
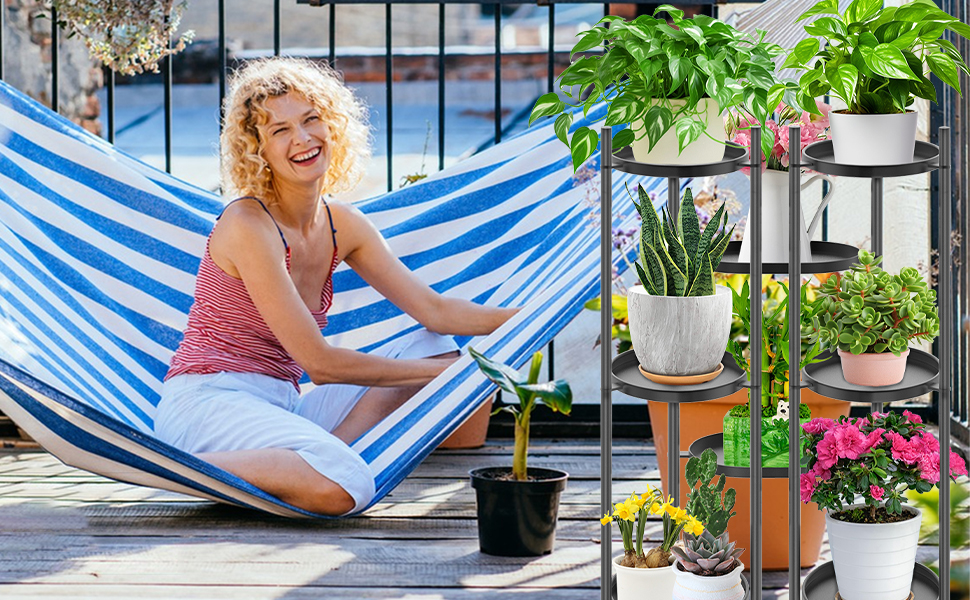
x: 284, y: 474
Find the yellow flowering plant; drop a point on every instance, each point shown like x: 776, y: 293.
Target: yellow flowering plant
x: 631, y: 516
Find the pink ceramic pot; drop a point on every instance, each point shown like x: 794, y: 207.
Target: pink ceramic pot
x: 873, y: 369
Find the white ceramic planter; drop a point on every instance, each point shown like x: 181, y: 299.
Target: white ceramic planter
x: 643, y: 584
x: 873, y: 139
x: 702, y: 151
x: 697, y: 587
x: 677, y: 336
x: 874, y: 561
x: 774, y: 219
x: 873, y: 369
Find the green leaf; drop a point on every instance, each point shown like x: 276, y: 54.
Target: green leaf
x: 557, y: 394
x: 704, y: 284
x: 503, y: 376
x: 802, y: 53
x: 675, y: 13
x: 862, y: 10
x: 959, y: 28
x: 888, y: 61
x: 658, y: 121
x: 913, y: 12
x: 688, y: 131
x: 775, y: 95
x: 759, y: 76
x: 899, y: 90
x: 695, y: 86
x: 623, y: 109
x: 845, y: 80
x: 591, y: 39
x: 825, y: 7
x: 679, y: 67
x: 561, y: 127
x: 584, y: 144
x: 828, y: 27
x: 654, y: 270
x: 623, y: 138
x: 546, y: 106
x: 868, y: 39
x: 581, y: 72
x: 647, y: 282
x: 942, y: 66
x: 930, y: 32
x: 690, y: 226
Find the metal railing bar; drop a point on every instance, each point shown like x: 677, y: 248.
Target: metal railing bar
x: 110, y: 109
x: 276, y: 28
x: 221, y: 18
x: 389, y: 102
x: 167, y: 78
x: 551, y: 70
x: 3, y: 24
x: 333, y: 33
x: 552, y: 360
x: 441, y: 86
x: 54, y: 59
x: 498, y: 74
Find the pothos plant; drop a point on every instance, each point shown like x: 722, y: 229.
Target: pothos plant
x: 876, y: 59
x: 557, y: 395
x: 646, y: 63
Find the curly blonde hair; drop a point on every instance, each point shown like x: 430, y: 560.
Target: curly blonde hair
x: 244, y: 170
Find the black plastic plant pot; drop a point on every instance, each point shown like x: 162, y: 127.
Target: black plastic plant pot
x: 517, y: 518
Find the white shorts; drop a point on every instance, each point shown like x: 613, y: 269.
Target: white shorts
x: 247, y: 411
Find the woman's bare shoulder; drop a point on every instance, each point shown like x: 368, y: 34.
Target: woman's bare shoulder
x: 243, y: 228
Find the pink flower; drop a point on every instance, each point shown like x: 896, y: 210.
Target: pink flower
x: 926, y: 442
x: 874, y: 438
x: 910, y: 451
x: 849, y: 441
x: 957, y: 466
x: 823, y: 474
x: 807, y: 486
x: 818, y: 425
x: 929, y: 467
x: 826, y: 450
x: 876, y: 492
x: 913, y: 418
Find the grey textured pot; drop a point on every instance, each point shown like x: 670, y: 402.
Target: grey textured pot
x: 679, y: 336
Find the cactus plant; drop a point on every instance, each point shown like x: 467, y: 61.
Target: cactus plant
x: 679, y: 261
x: 867, y: 309
x: 708, y: 555
x: 709, y: 502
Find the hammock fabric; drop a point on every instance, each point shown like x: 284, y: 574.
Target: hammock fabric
x: 98, y: 256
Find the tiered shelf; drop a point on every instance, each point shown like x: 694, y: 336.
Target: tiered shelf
x: 922, y: 373
x: 628, y: 379
x: 716, y: 443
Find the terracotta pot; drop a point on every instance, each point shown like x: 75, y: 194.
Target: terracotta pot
x: 873, y: 369
x: 471, y: 433
x: 698, y: 419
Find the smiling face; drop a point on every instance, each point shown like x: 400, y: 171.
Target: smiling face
x: 294, y: 141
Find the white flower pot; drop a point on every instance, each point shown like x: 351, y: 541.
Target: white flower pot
x: 698, y: 587
x: 873, y: 139
x: 643, y: 584
x: 674, y: 335
x: 702, y: 151
x: 774, y: 219
x: 874, y: 561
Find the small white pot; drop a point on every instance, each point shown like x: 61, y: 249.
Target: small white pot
x: 675, y: 335
x: 873, y: 139
x: 643, y: 584
x: 697, y: 587
x: 874, y: 561
x: 702, y: 151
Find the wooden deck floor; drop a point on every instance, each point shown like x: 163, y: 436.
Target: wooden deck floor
x: 67, y: 533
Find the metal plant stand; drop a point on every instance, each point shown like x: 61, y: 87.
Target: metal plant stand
x: 924, y: 372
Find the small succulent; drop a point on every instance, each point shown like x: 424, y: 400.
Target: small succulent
x: 704, y: 498
x: 679, y: 263
x: 867, y: 309
x: 708, y: 555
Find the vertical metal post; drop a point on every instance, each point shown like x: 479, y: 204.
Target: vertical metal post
x: 552, y: 358
x: 54, y: 59
x: 498, y: 73
x: 441, y: 86
x: 221, y: 18
x: 110, y: 110
x: 3, y: 21
x: 794, y: 372
x: 167, y: 108
x: 876, y: 224
x: 332, y: 41
x: 389, y: 96
x: 754, y: 342
x: 673, y: 408
x: 945, y: 345
x: 673, y: 200
x: 606, y: 348
x: 551, y: 71
x: 276, y: 28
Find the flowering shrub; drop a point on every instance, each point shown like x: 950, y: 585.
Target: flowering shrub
x: 879, y: 458
x: 630, y: 517
x: 813, y: 129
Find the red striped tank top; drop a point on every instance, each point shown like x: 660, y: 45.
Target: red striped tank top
x: 225, y: 331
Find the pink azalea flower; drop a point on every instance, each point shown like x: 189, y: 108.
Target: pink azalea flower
x: 876, y: 492
x: 929, y: 467
x: 849, y: 441
x: 913, y: 418
x: 910, y: 452
x: 823, y: 474
x: 926, y: 442
x: 826, y: 450
x: 807, y: 487
x: 874, y: 438
x: 957, y: 465
x: 818, y: 425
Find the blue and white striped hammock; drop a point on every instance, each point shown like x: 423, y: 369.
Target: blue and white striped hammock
x: 98, y: 257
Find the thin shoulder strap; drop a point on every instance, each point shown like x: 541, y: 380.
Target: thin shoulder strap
x: 333, y: 230
x: 280, y: 231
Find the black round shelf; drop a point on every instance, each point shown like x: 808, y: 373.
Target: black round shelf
x: 827, y: 257
x: 825, y: 378
x: 820, y: 583
x: 629, y: 380
x: 821, y: 157
x: 734, y: 159
x: 744, y: 584
x: 716, y: 443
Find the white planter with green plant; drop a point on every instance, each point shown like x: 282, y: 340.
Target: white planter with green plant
x: 876, y: 60
x: 680, y: 321
x: 671, y: 85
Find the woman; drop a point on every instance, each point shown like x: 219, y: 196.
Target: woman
x: 294, y: 133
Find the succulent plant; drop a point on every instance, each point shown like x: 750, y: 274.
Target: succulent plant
x: 679, y: 263
x: 708, y: 555
x: 705, y: 501
x: 867, y: 309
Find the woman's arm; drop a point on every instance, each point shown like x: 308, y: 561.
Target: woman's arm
x: 368, y: 254
x: 246, y: 243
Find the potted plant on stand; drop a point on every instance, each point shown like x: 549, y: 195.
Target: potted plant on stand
x: 518, y: 506
x: 878, y: 458
x: 870, y: 317
x: 876, y: 60
x: 708, y: 567
x: 679, y: 319
x: 636, y: 571
x: 671, y: 84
